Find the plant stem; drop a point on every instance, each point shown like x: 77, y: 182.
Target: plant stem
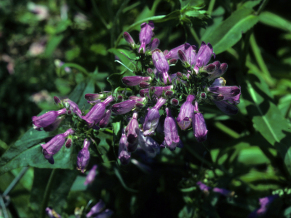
x: 194, y: 34
x: 47, y: 193
x: 226, y: 130
x: 260, y: 60
x: 210, y: 7
x: 15, y: 181
x: 262, y: 6
x: 2, y: 204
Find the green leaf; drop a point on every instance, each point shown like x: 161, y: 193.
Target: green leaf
x: 118, y: 175
x: 229, y: 32
x: 72, y: 65
x: 88, y: 89
x: 52, y: 45
x: 273, y: 20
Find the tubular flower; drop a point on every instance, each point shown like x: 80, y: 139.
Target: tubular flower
x: 72, y: 106
x: 204, y: 55
x: 199, y: 125
x: 91, y: 175
x: 97, y: 111
x: 172, y: 138
x: 152, y: 118
x: 148, y: 144
x: 54, y: 145
x: 54, y: 125
x: 186, y: 111
x: 46, y: 119
x: 123, y: 107
x: 173, y: 53
x: 105, y: 120
x: 161, y: 65
x: 145, y: 35
x: 97, y: 208
x: 83, y: 157
x: 134, y: 80
x: 123, y: 154
x: 51, y: 213
x: 132, y: 133
x: 129, y: 39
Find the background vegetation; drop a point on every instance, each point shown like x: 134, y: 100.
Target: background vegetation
x: 248, y: 154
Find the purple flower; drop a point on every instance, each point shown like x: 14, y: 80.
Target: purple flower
x: 134, y: 80
x: 219, y: 70
x: 174, y: 102
x: 51, y: 213
x: 72, y: 106
x: 123, y: 107
x: 148, y: 144
x: 223, y: 191
x: 69, y: 142
x: 132, y: 132
x: 57, y: 100
x: 54, y: 145
x: 161, y: 65
x: 129, y: 39
x: 173, y: 54
x: 47, y: 118
x: 172, y: 138
x: 153, y: 44
x: 97, y: 208
x: 203, y: 187
x: 94, y: 97
x: 226, y: 107
x: 264, y: 202
x: 188, y: 55
x: 123, y: 154
x: 145, y: 35
x: 199, y: 125
x: 83, y: 157
x: 54, y: 125
x: 91, y: 175
x: 152, y: 118
x: 204, y: 55
x: 97, y: 111
x: 105, y: 120
x: 186, y: 111
x: 231, y: 93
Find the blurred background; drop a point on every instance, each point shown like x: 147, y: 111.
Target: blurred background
x: 49, y: 47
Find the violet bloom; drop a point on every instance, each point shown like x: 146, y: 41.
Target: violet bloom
x: 105, y: 120
x: 47, y: 118
x: 123, y: 107
x: 94, y: 97
x: 204, y: 55
x: 83, y: 157
x: 97, y: 111
x: 171, y: 132
x: 161, y: 65
x: 132, y: 132
x: 129, y: 39
x: 54, y: 145
x: 188, y: 56
x: 51, y: 213
x: 186, y: 112
x: 91, y: 175
x: 123, y: 154
x: 223, y: 191
x: 152, y: 118
x: 219, y: 71
x: 173, y: 54
x: 97, y: 208
x: 199, y: 125
x: 54, y: 125
x: 203, y: 187
x: 72, y: 106
x: 145, y: 35
x: 148, y: 144
x: 134, y: 80
x: 153, y: 44
x: 264, y: 202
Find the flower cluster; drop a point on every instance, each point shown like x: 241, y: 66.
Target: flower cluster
x: 154, y: 92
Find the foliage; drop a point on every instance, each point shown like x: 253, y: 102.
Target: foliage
x: 248, y: 154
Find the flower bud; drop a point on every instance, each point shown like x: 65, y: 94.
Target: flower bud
x: 51, y: 213
x: 218, y: 72
x: 171, y: 132
x: 91, y: 175
x: 144, y: 85
x: 123, y: 154
x: 57, y: 100
x: 97, y: 208
x: 150, y: 71
x: 123, y: 107
x: 54, y: 145
x: 69, y: 142
x: 72, y: 106
x: 174, y: 52
x: 105, y: 120
x: 204, y: 54
x: 83, y: 157
x: 94, y: 97
x: 134, y: 80
x: 145, y: 35
x: 129, y: 39
x: 173, y: 61
x: 152, y: 118
x: 144, y: 92
x: 97, y: 112
x: 174, y: 101
x: 148, y: 144
x: 154, y: 44
x: 185, y: 116
x: 199, y: 125
x: 47, y: 118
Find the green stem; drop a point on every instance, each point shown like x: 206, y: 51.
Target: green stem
x: 47, y: 193
x: 194, y: 34
x: 4, y: 211
x: 262, y: 6
x: 226, y: 130
x: 211, y: 6
x: 260, y: 60
x: 99, y: 15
